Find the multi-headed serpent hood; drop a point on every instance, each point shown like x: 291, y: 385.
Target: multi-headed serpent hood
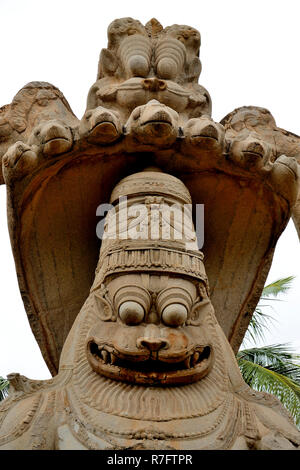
x: 145, y: 109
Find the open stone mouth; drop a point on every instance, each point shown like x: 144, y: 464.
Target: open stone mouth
x: 100, y: 123
x: 20, y: 155
x: 207, y: 132
x: 158, y: 121
x: 152, y: 364
x: 53, y: 139
x: 252, y: 152
x: 205, y: 136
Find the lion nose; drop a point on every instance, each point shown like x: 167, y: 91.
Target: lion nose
x: 153, y: 344
x: 152, y: 340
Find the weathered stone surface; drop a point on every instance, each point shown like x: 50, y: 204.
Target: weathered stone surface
x: 39, y: 115
x: 257, y: 127
x: 146, y: 363
x: 237, y: 169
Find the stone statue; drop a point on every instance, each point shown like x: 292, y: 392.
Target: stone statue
x: 146, y: 365
x: 148, y: 362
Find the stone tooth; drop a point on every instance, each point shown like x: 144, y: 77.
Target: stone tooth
x: 187, y: 362
x: 200, y: 351
x: 195, y: 358
x: 113, y: 358
x: 105, y: 356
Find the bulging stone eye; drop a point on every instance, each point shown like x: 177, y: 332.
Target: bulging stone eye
x: 174, y: 315
x: 131, y: 313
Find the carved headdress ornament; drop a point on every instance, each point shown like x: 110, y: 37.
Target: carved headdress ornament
x: 150, y: 228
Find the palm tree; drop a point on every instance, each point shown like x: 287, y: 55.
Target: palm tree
x: 274, y: 368
x: 4, y: 385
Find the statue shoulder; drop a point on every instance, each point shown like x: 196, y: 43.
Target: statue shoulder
x: 280, y: 433
x: 16, y: 415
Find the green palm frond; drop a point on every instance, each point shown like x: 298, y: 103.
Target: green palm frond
x: 4, y: 385
x: 279, y: 357
x: 274, y: 369
x: 261, y: 321
x: 277, y: 287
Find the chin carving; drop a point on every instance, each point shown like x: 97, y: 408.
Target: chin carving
x: 147, y: 363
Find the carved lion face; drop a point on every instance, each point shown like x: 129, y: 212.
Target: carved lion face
x: 151, y: 330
